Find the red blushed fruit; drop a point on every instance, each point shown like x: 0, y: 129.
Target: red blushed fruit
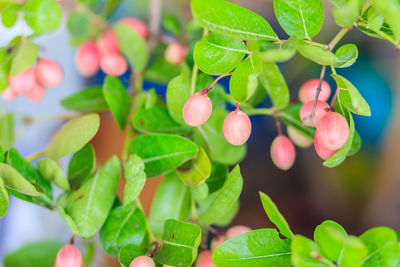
x: 197, y: 109
x: 283, y: 152
x: 332, y: 131
x: 237, y: 127
x: 297, y: 138
x: 23, y: 82
x: 87, y: 59
x: 69, y: 256
x: 113, y: 64
x: 321, y: 109
x: 142, y: 261
x: 205, y: 259
x: 107, y: 43
x: 137, y: 25
x: 175, y: 53
x: 237, y: 230
x: 308, y: 91
x: 9, y: 94
x: 37, y: 93
x: 322, y: 152
x: 48, y: 73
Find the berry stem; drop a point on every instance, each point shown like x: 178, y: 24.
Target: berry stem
x: 278, y: 125
x: 72, y: 240
x: 237, y: 106
x: 205, y: 91
x: 321, y: 77
x: 261, y: 111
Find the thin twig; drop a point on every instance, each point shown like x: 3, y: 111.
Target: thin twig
x: 321, y: 78
x: 154, y: 23
x: 205, y: 91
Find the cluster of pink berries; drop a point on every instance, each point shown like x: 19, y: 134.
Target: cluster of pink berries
x: 32, y: 82
x: 105, y: 54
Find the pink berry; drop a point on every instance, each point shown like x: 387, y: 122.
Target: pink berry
x: 69, y: 256
x: 283, y: 152
x: 308, y: 91
x: 322, y: 152
x: 218, y: 240
x: 237, y: 127
x: 113, y: 64
x: 197, y: 109
x: 107, y: 43
x: 205, y: 259
x: 297, y: 138
x: 23, y: 82
x: 37, y: 93
x: 88, y: 59
x: 9, y: 94
x: 332, y: 131
x: 48, y: 72
x: 175, y: 53
x: 137, y: 25
x: 142, y: 261
x: 321, y: 109
x: 237, y: 230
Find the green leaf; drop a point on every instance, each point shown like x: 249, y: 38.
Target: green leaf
x: 90, y: 204
x: 177, y: 94
x: 230, y: 19
x: 199, y: 171
x: 229, y: 215
x: 52, y: 172
x: 306, y: 253
x: 350, y: 97
x: 111, y: 5
x: 162, y: 153
x: 26, y: 55
x: 316, y: 53
x: 217, y: 54
x: 132, y: 45
x: 330, y: 236
x: 278, y: 52
x: 124, y: 225
x: 346, y: 54
x: 3, y: 199
x: 39, y: 254
x: 61, y: 204
x: 6, y: 130
x: 180, y: 242
x: 78, y: 25
x: 216, y: 203
x: 171, y: 24
x: 81, y: 165
x: 261, y: 247
x: 158, y: 120
x: 347, y: 12
x: 128, y: 253
x: 117, y: 99
x: 161, y: 71
x: 356, y: 144
x: 274, y: 82
x: 291, y: 117
x: 300, y: 18
x: 374, y: 19
x: 43, y: 16
x: 243, y: 82
x: 172, y: 201
x: 5, y: 59
x: 219, y: 172
x: 275, y: 216
x: 9, y: 15
x: 135, y: 179
x: 219, y: 149
x: 88, y: 100
x: 353, y: 252
x: 74, y: 135
x: 199, y: 192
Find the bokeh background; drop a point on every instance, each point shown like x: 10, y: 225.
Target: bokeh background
x: 361, y: 193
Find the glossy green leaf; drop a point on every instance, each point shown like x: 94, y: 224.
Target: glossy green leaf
x: 177, y: 94
x: 217, y: 54
x: 9, y: 15
x: 219, y: 172
x: 275, y: 216
x: 346, y: 55
x: 278, y: 52
x: 171, y: 24
x: 162, y: 153
x: 158, y: 120
x: 161, y: 71
x: 135, y: 179
x: 330, y: 236
x: 172, y: 201
x: 243, y: 82
x: 132, y: 45
x: 78, y: 25
x: 216, y: 203
x: 26, y: 55
x: 43, y: 16
x: 199, y: 192
x: 90, y: 204
x: 306, y: 253
x: 274, y: 82
x: 81, y: 165
x: 3, y: 199
x: 291, y: 117
x: 39, y: 254
x: 356, y: 144
x: 117, y: 99
x: 128, y: 253
x: 261, y: 247
x: 300, y: 18
x: 74, y: 135
x: 180, y: 242
x: 52, y: 172
x: 350, y: 97
x: 316, y: 53
x: 111, y: 6
x: 353, y: 252
x: 227, y: 18
x: 374, y: 19
x: 7, y: 134
x: 6, y: 60
x: 124, y: 225
x: 199, y: 171
x: 61, y: 204
x: 88, y: 100
x: 229, y: 215
x: 347, y: 12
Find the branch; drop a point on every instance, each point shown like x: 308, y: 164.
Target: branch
x: 154, y: 23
